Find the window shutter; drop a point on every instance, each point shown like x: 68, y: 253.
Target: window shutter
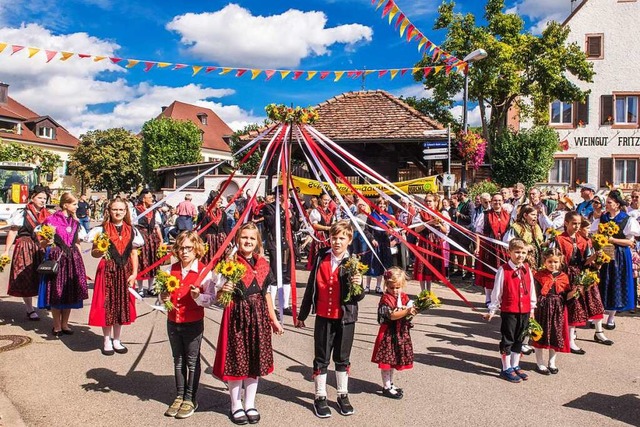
x: 606, y: 109
x: 606, y: 171
x: 581, y: 170
x: 594, y: 46
x: 582, y: 111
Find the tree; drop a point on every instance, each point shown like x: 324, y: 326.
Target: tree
x: 15, y: 152
x: 249, y: 166
x: 519, y: 65
x: 524, y: 156
x: 166, y: 142
x: 108, y: 160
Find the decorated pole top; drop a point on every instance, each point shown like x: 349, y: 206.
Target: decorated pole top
x: 293, y: 116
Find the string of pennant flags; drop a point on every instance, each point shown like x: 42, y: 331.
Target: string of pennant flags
x: 404, y: 25
x: 335, y: 75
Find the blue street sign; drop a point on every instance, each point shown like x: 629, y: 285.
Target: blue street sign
x: 435, y: 144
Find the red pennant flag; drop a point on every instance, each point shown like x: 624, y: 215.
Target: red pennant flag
x: 297, y: 74
x: 269, y: 73
x: 324, y: 74
x: 115, y: 60
x: 148, y: 65
x: 179, y: 66
x: 15, y: 48
x: 358, y: 74
x: 403, y: 71
x: 427, y: 71
x: 447, y: 69
x: 210, y: 69
x: 50, y: 54
x: 381, y: 73
x: 387, y: 8
x: 400, y: 19
x: 240, y: 72
x: 410, y: 29
x: 84, y: 55
x: 351, y: 73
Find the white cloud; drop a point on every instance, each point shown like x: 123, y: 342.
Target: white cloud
x: 418, y: 90
x: 540, y: 12
x: 73, y: 91
x: 233, y: 36
x: 473, y: 115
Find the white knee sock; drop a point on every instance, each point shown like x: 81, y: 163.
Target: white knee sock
x: 506, y: 361
x: 515, y: 359
x: 369, y: 278
x: 250, y: 390
x: 599, y: 330
x: 552, y: 358
x: 108, y: 345
x: 378, y: 283
x: 342, y: 382
x: 540, y: 359
x: 572, y: 338
x: 286, y: 290
x: 235, y: 393
x: 321, y: 385
x: 386, y: 378
x: 611, y: 318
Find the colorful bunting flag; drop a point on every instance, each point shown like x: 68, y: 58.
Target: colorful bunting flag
x: 65, y: 55
x: 33, y: 51
x: 196, y: 69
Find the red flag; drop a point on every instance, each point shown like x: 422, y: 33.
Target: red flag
x: 84, y: 55
x: 410, y: 29
x: 447, y: 69
x: 50, y: 54
x: 297, y: 74
x: 387, y: 8
x: 403, y: 71
x: 210, y: 69
x: 115, y: 60
x: 427, y: 71
x: 148, y: 65
x: 400, y: 19
x: 358, y: 74
x: 240, y: 72
x: 381, y: 73
x: 179, y: 66
x: 269, y: 73
x: 324, y: 74
x: 15, y: 48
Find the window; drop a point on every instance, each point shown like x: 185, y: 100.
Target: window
x: 561, y: 113
x: 594, y: 48
x: 625, y: 171
x: 45, y: 132
x: 203, y: 118
x: 606, y: 110
x: 626, y: 109
x: 560, y: 172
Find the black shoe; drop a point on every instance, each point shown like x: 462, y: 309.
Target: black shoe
x: 578, y: 351
x: 287, y: 311
x: 553, y: 370
x: 67, y: 331
x: 344, y: 405
x: 528, y: 352
x: 254, y: 416
x: 107, y: 352
x: 239, y: 417
x: 609, y: 326
x: 56, y: 334
x: 122, y: 350
x: 456, y: 273
x: 601, y: 341
x: 542, y: 371
x: 391, y: 393
x: 321, y: 408
x: 379, y: 291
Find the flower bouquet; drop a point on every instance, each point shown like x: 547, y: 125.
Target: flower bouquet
x: 609, y: 229
x: 282, y: 113
x: 353, y: 266
x: 585, y: 280
x: 102, y: 243
x: 426, y: 300
x: 602, y: 259
x: 162, y: 251
x: 4, y: 261
x: 232, y: 271
x: 166, y: 283
x: 534, y: 330
x: 46, y: 233
x: 206, y: 248
x: 391, y: 224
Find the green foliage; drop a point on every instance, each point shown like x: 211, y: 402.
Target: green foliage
x: 486, y: 186
x: 249, y: 166
x: 167, y: 142
x: 108, y: 160
x: 518, y: 65
x: 15, y: 152
x: 525, y: 156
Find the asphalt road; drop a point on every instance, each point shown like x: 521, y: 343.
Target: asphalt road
x: 67, y: 382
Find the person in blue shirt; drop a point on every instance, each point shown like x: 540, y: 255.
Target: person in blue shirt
x: 587, y: 191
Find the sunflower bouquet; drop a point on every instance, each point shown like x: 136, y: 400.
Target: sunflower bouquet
x: 166, y: 283
x: 585, y: 280
x: 426, y: 300
x: 599, y: 241
x: 353, y: 266
x: 552, y: 234
x: 162, y: 251
x: 533, y: 330
x: 46, y: 233
x: 602, y: 259
x: 4, y: 261
x: 232, y: 271
x: 102, y: 243
x: 391, y: 224
x: 206, y: 248
x: 609, y: 229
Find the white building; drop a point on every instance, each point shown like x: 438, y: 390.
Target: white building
x: 603, y: 134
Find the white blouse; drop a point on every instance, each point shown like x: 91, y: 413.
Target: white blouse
x: 631, y: 230
x: 138, y: 240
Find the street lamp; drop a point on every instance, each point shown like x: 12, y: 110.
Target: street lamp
x: 476, y: 55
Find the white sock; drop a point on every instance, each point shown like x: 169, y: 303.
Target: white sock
x: 342, y: 382
x: 369, y: 278
x: 286, y: 291
x: 386, y: 378
x: 611, y: 320
x: 108, y: 345
x: 117, y: 345
x: 235, y: 392
x: 378, y: 283
x: 599, y: 330
x: 250, y: 390
x: 391, y: 372
x: 140, y: 286
x: 506, y: 361
x: 552, y: 358
x: 540, y: 359
x: 321, y: 385
x: 515, y: 359
x: 572, y: 339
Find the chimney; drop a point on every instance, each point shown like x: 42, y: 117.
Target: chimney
x: 164, y: 107
x: 4, y: 93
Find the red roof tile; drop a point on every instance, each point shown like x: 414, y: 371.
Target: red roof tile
x: 214, y: 130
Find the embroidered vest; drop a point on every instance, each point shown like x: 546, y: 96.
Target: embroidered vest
x: 186, y: 310
x: 328, y: 303
x: 516, y: 290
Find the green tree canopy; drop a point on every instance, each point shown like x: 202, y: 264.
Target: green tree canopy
x: 519, y: 65
x: 166, y: 142
x: 108, y: 160
x: 250, y: 166
x: 15, y: 152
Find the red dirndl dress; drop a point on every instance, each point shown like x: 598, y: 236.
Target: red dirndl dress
x: 393, y: 348
x: 551, y: 312
x: 434, y: 244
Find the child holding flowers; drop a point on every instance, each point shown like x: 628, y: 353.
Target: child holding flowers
x: 185, y: 319
x: 244, y: 351
x: 552, y: 288
x: 393, y: 349
x: 112, y: 305
x: 327, y: 290
x: 515, y: 295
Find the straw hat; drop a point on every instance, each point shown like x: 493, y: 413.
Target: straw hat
x: 567, y: 202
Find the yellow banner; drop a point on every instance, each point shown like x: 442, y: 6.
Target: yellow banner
x: 415, y: 186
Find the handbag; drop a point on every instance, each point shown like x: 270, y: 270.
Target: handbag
x: 49, y: 267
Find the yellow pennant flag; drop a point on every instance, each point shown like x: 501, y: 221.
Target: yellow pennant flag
x: 33, y: 51
x: 132, y: 63
x: 255, y: 73
x: 196, y: 69
x: 163, y: 64
x: 225, y: 70
x: 394, y: 73
x: 65, y: 55
x: 415, y: 70
x: 412, y: 33
x: 379, y: 4
x: 98, y: 58
x: 338, y: 74
x: 394, y: 11
x: 367, y: 72
x: 436, y: 70
x: 2, y: 46
x: 284, y: 74
x: 403, y: 26
x: 422, y: 43
x: 311, y: 74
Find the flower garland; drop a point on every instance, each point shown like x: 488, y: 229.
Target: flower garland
x: 472, y: 148
x: 297, y: 115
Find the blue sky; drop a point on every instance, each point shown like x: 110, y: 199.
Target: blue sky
x: 310, y: 35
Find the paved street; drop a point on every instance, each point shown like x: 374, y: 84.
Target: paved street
x: 67, y: 382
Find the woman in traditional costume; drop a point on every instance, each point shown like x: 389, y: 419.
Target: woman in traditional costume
x: 216, y: 220
x: 428, y: 223
x: 149, y: 227
x: 379, y: 260
x: 527, y: 228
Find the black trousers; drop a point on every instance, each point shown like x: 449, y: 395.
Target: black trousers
x: 331, y: 335
x: 185, y: 340
x: 512, y: 329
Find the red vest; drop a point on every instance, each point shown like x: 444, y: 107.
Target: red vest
x: 516, y: 290
x: 186, y: 310
x: 328, y: 303
x: 260, y: 271
x: 565, y: 244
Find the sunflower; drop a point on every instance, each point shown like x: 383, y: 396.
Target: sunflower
x: 536, y: 335
x: 228, y: 270
x: 172, y: 284
x: 102, y: 246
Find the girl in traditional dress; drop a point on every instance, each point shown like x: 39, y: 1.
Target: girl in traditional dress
x: 616, y: 277
x: 27, y: 255
x: 552, y: 286
x: 321, y: 219
x: 113, y: 305
x: 149, y: 226
x: 244, y: 351
x: 185, y: 323
x: 527, y: 228
x: 430, y: 241
x: 67, y: 289
x: 215, y: 234
x: 578, y: 254
x: 380, y: 260
x: 393, y: 350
